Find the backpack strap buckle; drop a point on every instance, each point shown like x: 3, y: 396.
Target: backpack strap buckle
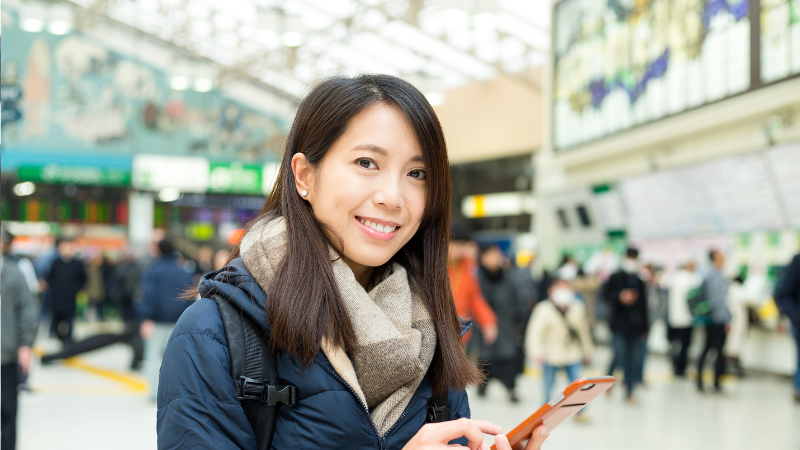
x: 281, y: 394
x: 437, y: 414
x: 270, y: 394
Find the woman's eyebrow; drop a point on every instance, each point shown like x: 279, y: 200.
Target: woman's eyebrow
x: 382, y: 151
x: 372, y: 148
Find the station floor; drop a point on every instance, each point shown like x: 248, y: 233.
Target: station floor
x: 93, y: 402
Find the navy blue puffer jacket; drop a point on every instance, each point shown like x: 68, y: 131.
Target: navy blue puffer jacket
x: 197, y: 404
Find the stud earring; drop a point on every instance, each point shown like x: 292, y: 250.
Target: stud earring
x: 304, y: 192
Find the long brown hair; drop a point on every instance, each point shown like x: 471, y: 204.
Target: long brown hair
x: 305, y: 304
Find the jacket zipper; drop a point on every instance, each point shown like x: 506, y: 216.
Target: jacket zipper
x: 410, y: 405
x: 381, y: 439
x: 381, y: 442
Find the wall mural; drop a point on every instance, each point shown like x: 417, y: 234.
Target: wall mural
x: 622, y: 63
x: 780, y: 39
x: 71, y: 95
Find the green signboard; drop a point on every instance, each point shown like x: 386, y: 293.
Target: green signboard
x: 235, y: 177
x: 68, y: 174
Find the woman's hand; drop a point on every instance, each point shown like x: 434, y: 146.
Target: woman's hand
x: 438, y: 435
x: 534, y: 443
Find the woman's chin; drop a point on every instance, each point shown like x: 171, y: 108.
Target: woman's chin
x: 369, y: 260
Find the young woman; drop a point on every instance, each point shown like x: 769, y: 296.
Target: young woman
x: 345, y: 269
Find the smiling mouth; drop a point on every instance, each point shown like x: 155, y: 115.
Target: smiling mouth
x: 380, y: 228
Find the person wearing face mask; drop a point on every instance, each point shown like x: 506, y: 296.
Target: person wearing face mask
x: 558, y: 336
x: 627, y: 295
x: 500, y: 290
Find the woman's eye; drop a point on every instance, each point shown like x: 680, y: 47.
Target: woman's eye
x: 418, y: 174
x: 366, y: 163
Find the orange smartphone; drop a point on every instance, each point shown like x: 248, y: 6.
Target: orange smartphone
x: 561, y: 408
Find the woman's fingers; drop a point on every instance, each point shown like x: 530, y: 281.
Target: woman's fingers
x: 487, y: 427
x: 473, y: 430
x: 501, y: 442
x: 534, y: 443
x: 537, y: 438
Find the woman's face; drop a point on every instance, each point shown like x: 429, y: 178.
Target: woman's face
x: 370, y: 186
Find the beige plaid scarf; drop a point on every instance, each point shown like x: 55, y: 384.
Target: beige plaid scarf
x: 396, y: 336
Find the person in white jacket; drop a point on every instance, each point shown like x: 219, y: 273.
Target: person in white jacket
x: 737, y: 303
x: 679, y: 318
x: 558, y: 336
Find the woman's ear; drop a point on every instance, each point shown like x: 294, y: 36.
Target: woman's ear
x: 302, y: 175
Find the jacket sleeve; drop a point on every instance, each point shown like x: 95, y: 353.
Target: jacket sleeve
x: 147, y: 307
x: 534, y: 339
x: 27, y: 314
x: 458, y: 405
x: 644, y: 303
x: 787, y: 292
x: 82, y: 276
x: 585, y: 334
x: 481, y: 311
x: 612, y: 290
x: 197, y: 404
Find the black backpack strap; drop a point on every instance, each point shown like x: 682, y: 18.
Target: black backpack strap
x: 437, y: 408
x: 254, y: 370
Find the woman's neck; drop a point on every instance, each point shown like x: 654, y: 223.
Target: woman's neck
x: 363, y: 273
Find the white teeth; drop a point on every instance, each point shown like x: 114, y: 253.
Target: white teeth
x: 378, y: 227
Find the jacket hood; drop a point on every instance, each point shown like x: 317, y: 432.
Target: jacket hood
x: 234, y: 283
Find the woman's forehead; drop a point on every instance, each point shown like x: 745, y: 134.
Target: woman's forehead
x: 382, y: 129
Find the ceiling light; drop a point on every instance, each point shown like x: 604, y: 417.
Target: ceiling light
x: 204, y: 75
x: 181, y: 75
x: 24, y: 188
x: 59, y: 28
x: 292, y: 39
x: 203, y: 84
x: 169, y: 194
x: 32, y: 17
x: 269, y: 37
x: 179, y: 83
x: 61, y: 19
x: 274, y: 25
x: 293, y: 30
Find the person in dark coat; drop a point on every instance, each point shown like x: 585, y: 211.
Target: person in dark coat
x: 124, y: 287
x: 787, y: 297
x: 627, y: 295
x: 501, y: 293
x: 527, y: 288
x: 66, y: 278
x: 163, y: 286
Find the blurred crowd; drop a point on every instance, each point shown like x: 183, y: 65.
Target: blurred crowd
x: 550, y: 319
x: 522, y: 316
x: 68, y: 283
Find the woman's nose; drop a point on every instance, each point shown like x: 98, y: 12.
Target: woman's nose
x: 389, y: 194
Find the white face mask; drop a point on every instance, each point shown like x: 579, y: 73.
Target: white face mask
x: 562, y: 297
x: 629, y: 265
